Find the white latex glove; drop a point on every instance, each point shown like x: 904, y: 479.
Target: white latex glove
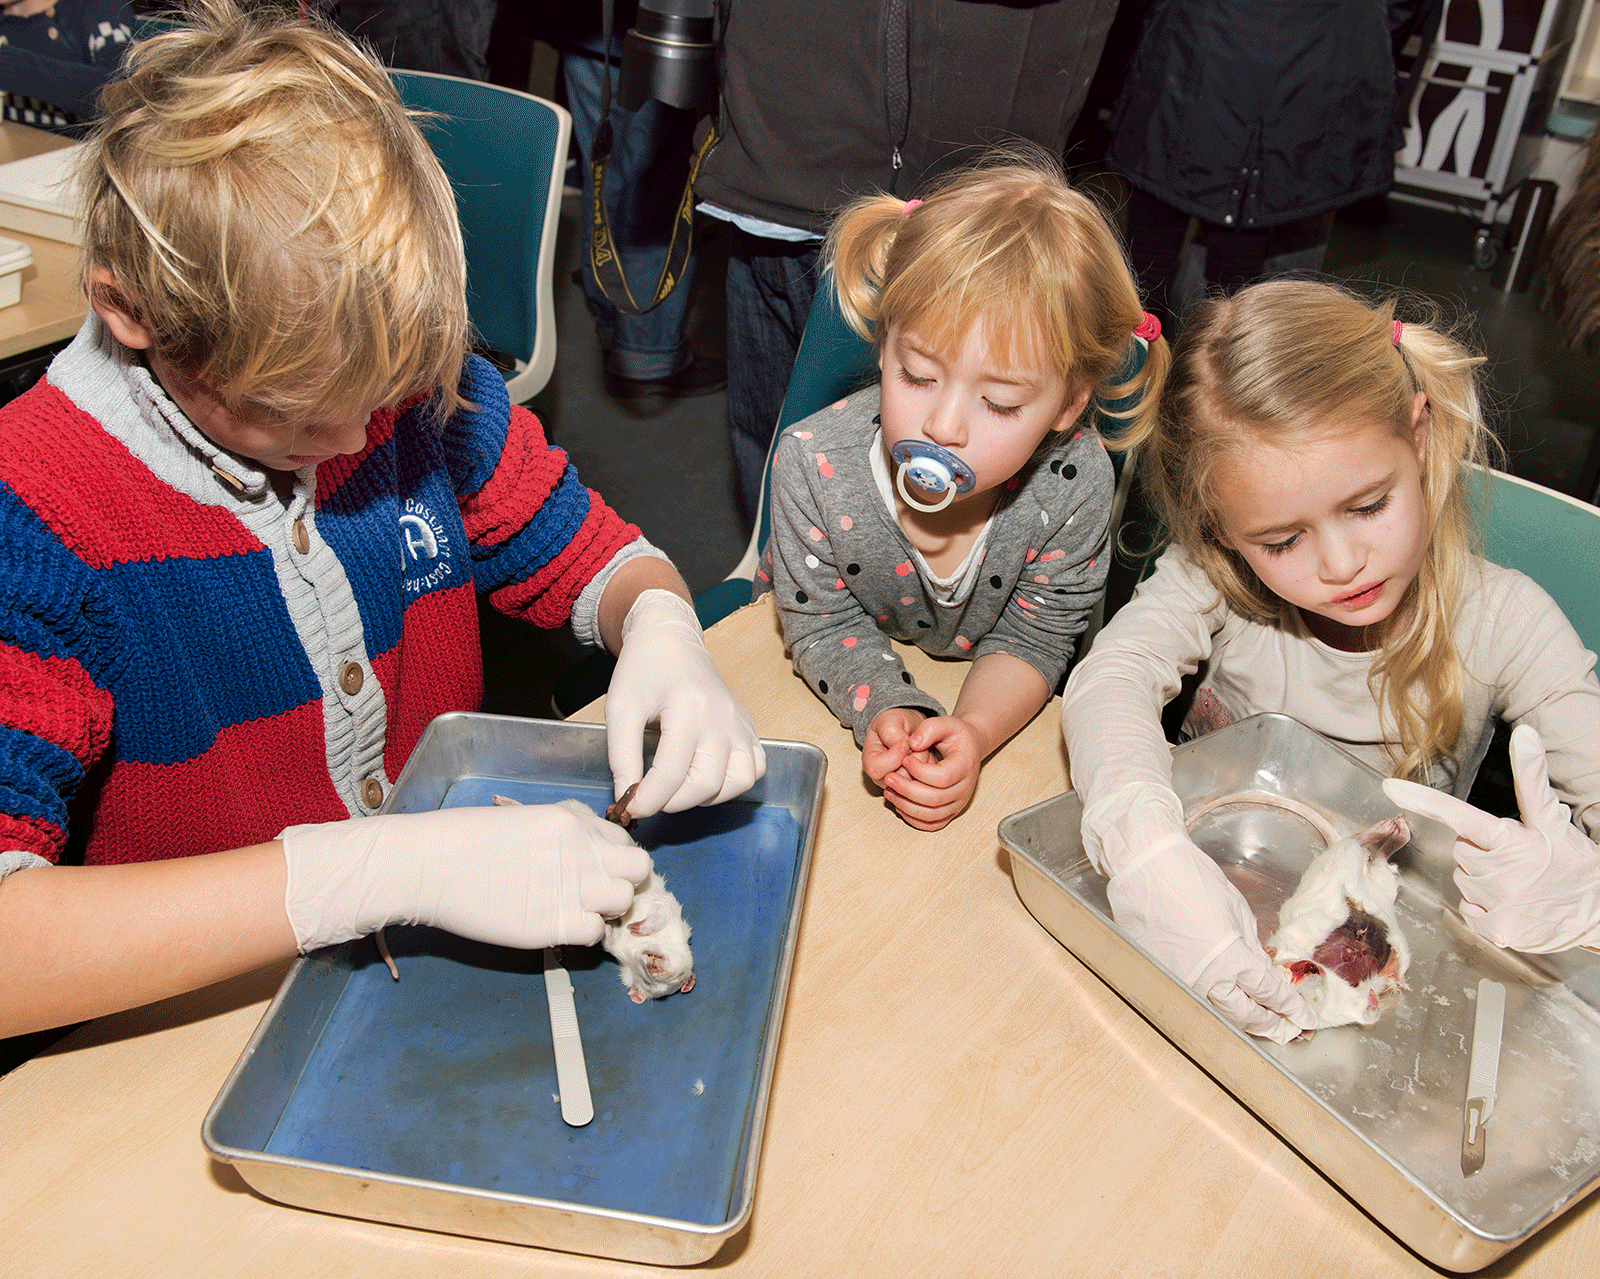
x: 1172, y: 900
x: 528, y: 877
x: 1533, y: 885
x: 708, y: 750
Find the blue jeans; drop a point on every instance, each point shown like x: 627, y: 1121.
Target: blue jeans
x: 650, y: 153
x: 770, y: 287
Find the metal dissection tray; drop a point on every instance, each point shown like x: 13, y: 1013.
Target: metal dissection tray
x: 1377, y: 1109
x: 432, y: 1102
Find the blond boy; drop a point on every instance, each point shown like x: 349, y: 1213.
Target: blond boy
x: 247, y: 514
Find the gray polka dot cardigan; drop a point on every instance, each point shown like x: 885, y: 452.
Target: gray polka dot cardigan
x: 844, y: 581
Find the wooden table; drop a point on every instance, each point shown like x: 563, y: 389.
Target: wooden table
x: 52, y: 305
x: 956, y: 1095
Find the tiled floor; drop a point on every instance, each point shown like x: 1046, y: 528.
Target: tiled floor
x: 664, y: 463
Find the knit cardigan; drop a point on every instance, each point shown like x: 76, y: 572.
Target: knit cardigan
x: 189, y: 663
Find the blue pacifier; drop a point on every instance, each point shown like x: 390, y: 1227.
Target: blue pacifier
x: 933, y: 470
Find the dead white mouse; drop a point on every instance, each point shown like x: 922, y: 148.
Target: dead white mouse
x: 1338, y: 937
x: 651, y: 944
x: 651, y: 941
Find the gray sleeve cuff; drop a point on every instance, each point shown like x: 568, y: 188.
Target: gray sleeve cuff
x: 912, y: 698
x: 586, y: 608
x: 19, y: 860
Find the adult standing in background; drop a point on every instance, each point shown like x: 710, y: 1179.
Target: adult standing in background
x: 646, y: 354
x: 1249, y: 114
x: 825, y: 100
x: 450, y: 37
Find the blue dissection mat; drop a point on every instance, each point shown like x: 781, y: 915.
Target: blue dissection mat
x: 448, y: 1074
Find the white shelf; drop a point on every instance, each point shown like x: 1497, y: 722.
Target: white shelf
x: 1581, y: 80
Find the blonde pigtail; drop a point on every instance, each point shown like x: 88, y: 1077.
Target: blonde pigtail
x: 1144, y: 388
x: 857, y: 253
x: 1417, y: 677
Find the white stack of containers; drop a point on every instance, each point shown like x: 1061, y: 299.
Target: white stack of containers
x: 14, y: 257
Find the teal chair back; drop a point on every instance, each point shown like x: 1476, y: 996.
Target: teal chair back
x: 831, y: 362
x: 146, y: 26
x: 1553, y: 538
x: 505, y: 154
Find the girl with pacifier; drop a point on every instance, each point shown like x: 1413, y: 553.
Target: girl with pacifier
x: 1310, y: 465
x: 963, y: 503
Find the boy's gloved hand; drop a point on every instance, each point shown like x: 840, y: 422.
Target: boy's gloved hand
x: 1171, y: 899
x: 528, y: 877
x: 709, y: 750
x: 1533, y: 885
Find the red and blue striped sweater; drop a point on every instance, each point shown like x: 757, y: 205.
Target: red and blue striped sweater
x: 189, y: 663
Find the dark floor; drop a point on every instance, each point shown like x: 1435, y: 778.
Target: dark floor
x: 665, y: 465
x: 1543, y: 400
x: 662, y: 463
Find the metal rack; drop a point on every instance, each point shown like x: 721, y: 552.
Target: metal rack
x: 1477, y: 114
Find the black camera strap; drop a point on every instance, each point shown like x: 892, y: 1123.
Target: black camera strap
x: 603, y: 259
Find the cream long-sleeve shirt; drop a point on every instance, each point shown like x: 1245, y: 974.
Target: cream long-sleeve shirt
x: 1523, y: 663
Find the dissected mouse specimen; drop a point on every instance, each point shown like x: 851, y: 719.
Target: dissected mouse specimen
x: 1338, y: 936
x: 650, y: 942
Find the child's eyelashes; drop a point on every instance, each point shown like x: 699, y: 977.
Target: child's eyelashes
x: 1366, y: 512
x: 908, y: 378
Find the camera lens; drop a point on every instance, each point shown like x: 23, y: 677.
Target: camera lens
x: 671, y: 54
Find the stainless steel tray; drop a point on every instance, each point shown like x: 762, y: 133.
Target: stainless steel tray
x: 1377, y: 1109
x: 432, y: 1102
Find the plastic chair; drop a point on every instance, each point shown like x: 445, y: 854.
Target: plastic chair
x: 505, y: 154
x: 831, y: 363
x: 1553, y: 538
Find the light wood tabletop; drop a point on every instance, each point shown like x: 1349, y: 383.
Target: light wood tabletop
x: 956, y: 1095
x: 52, y: 306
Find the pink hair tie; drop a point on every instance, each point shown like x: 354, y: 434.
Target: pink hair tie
x: 906, y: 212
x: 1394, y: 334
x: 1149, y: 328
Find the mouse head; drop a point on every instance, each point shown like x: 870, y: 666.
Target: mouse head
x: 658, y: 977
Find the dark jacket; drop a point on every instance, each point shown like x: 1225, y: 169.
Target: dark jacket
x: 1259, y: 112
x: 804, y: 122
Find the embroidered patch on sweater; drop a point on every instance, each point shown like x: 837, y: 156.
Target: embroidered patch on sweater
x: 425, y: 561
